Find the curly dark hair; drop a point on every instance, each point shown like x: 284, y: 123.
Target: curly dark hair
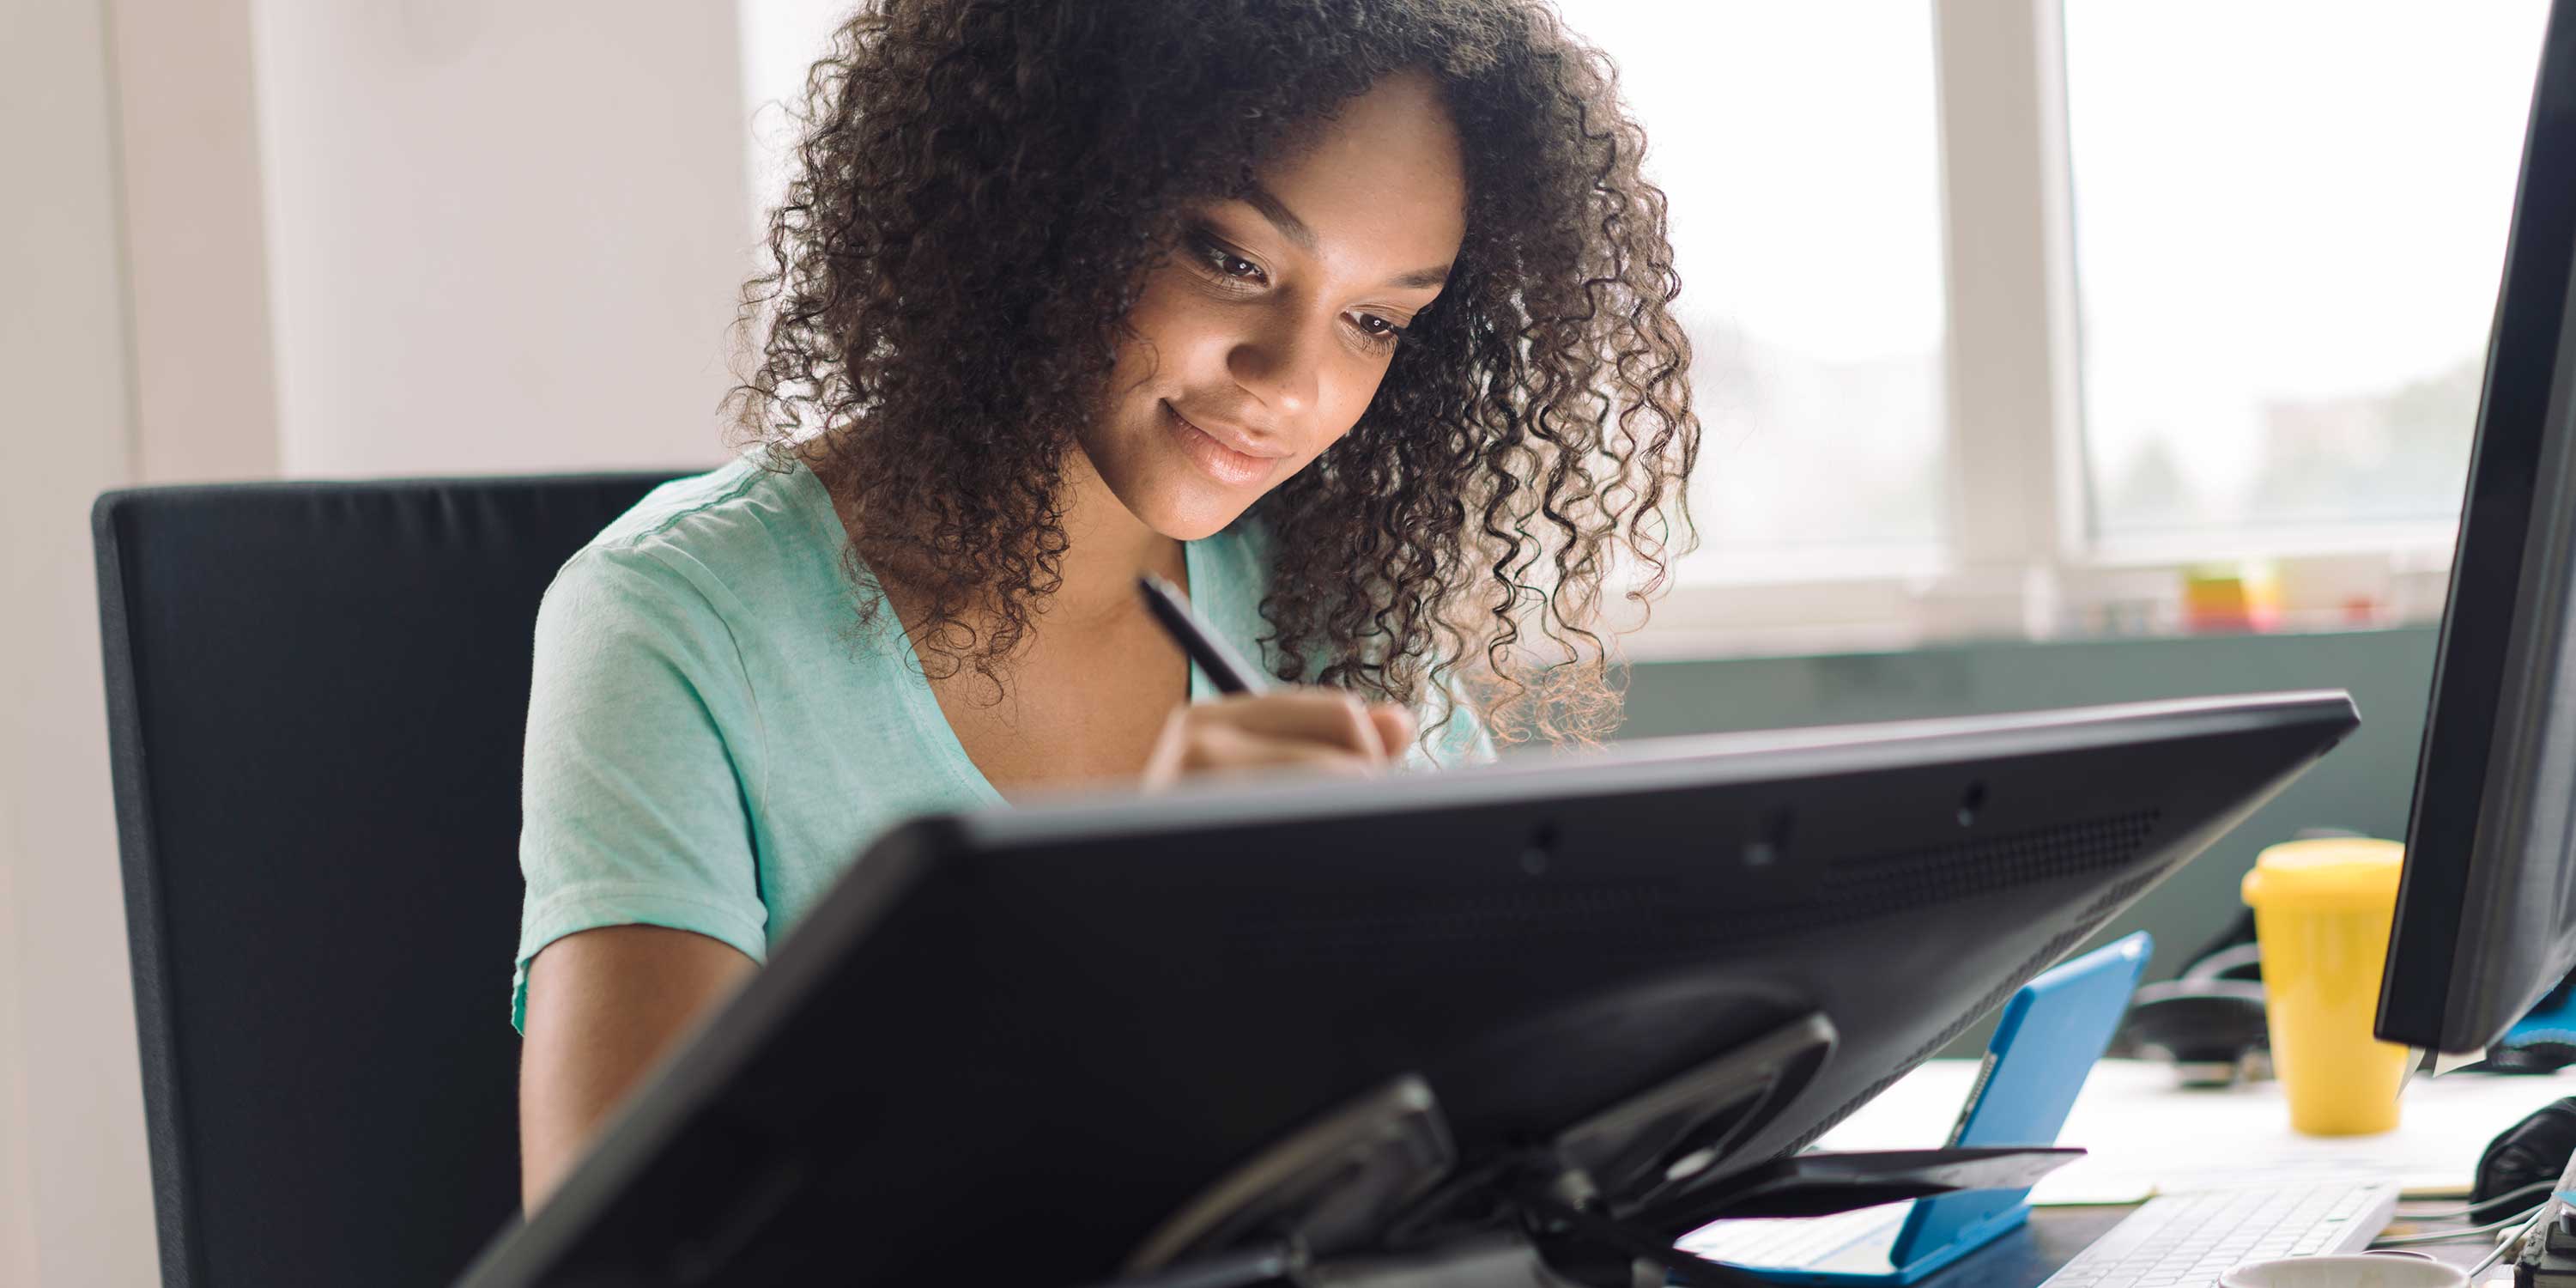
x: 982, y: 187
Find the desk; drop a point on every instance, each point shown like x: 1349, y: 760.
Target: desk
x: 2026, y: 1257
x: 2147, y: 1135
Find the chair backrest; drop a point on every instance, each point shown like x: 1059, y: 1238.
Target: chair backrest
x: 316, y: 701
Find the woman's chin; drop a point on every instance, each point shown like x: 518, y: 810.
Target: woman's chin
x: 1183, y: 506
x: 1189, y: 518
x: 1172, y: 497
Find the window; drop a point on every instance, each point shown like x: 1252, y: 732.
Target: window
x: 2229, y: 270
x: 2290, y: 221
x: 1797, y: 143
x: 1799, y: 148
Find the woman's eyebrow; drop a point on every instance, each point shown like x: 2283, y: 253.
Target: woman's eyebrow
x: 1296, y: 231
x: 1280, y: 217
x: 1421, y: 279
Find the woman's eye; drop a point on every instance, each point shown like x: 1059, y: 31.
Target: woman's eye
x: 1225, y: 263
x: 1378, y: 330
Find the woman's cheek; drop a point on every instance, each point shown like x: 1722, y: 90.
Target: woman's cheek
x: 1165, y: 326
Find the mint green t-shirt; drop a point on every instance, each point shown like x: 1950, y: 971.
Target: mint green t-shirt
x: 713, y: 738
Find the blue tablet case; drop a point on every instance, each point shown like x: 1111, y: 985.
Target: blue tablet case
x: 2049, y: 1037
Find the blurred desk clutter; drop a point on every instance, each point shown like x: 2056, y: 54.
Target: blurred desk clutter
x: 2145, y: 1136
x: 2052, y: 1034
x: 2212, y: 1157
x: 2311, y: 592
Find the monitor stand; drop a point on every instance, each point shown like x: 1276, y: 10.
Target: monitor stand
x: 1373, y: 1194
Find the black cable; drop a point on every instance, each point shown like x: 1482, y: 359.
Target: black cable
x: 1699, y: 1272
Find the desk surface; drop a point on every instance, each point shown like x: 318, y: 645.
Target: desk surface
x: 2145, y: 1134
x: 2148, y: 1134
x: 2028, y: 1256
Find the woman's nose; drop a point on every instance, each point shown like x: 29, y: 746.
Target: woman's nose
x: 1278, y: 365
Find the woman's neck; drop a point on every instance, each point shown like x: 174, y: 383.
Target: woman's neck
x: 1106, y: 548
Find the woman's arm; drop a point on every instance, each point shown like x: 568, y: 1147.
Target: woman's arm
x: 603, y: 1005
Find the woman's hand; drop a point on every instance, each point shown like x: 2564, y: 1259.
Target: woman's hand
x: 1312, y: 729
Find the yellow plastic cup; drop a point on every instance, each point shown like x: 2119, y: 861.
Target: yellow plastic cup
x: 2322, y: 910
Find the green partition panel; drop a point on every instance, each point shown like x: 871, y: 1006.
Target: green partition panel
x: 2363, y: 786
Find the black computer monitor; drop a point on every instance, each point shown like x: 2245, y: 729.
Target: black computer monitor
x: 1041, y: 1044
x: 2486, y: 911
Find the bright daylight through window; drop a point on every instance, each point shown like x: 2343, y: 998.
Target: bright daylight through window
x: 2290, y: 220
x: 2288, y: 227
x: 1798, y: 144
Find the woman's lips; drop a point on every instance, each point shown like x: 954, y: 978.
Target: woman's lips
x: 1214, y: 458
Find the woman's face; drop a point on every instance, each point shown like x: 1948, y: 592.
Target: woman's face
x: 1261, y: 340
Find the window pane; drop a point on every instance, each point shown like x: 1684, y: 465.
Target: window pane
x: 1798, y: 142
x: 2290, y: 221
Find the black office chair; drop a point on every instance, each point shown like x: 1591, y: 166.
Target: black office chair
x: 316, y: 695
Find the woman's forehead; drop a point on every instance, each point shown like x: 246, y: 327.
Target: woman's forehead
x: 1384, y: 177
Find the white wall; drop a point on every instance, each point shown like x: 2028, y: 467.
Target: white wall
x: 502, y: 237
x: 240, y: 238
x: 74, y: 1206
x: 205, y: 370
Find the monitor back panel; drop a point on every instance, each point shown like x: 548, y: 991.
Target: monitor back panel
x: 1042, y: 1031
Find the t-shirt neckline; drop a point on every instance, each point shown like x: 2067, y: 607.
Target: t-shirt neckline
x: 929, y: 723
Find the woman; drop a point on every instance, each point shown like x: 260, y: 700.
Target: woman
x: 1349, y: 316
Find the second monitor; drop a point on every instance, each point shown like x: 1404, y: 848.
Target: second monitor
x: 2486, y: 915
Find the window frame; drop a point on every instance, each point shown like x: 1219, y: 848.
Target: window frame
x: 2018, y: 558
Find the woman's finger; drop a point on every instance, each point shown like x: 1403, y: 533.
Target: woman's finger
x: 1395, y: 727
x: 1218, y: 750
x: 1327, y: 716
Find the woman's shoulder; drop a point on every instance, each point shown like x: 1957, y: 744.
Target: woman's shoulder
x: 743, y: 507
x: 738, y: 534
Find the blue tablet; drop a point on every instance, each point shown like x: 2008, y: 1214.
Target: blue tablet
x: 2045, y: 1044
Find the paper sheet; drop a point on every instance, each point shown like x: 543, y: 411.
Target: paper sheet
x: 2148, y: 1135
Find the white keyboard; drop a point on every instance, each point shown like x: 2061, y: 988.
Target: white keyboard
x: 2188, y: 1240
x: 1794, y: 1243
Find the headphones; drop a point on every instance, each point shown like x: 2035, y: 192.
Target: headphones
x: 2533, y: 1152
x: 2209, y: 1023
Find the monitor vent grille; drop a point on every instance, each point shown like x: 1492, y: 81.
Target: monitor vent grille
x: 1997, y: 863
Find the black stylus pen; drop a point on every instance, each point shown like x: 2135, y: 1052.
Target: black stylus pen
x: 1223, y: 665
